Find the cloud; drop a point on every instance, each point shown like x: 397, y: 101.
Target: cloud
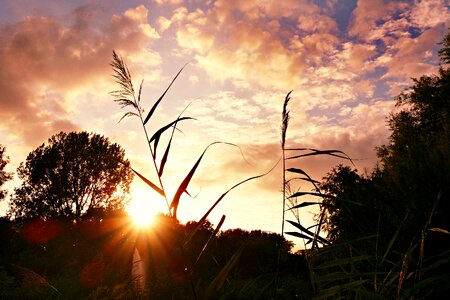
x: 368, y: 13
x: 44, y: 54
x: 163, y: 23
x: 430, y: 13
x: 316, y: 23
x: 248, y: 36
x: 410, y: 57
x: 172, y: 2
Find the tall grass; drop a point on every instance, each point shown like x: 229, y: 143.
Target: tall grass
x: 341, y: 270
x: 128, y: 97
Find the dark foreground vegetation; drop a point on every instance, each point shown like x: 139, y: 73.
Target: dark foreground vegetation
x: 385, y: 233
x: 93, y: 259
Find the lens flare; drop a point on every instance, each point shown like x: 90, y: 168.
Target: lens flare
x: 142, y: 212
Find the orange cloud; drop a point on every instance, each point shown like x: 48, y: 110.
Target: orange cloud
x: 40, y: 54
x: 408, y: 57
x: 367, y: 13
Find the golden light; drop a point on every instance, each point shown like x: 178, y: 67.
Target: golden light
x: 143, y: 210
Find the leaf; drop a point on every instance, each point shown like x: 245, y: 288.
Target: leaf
x: 303, y: 229
x: 205, y: 216
x: 314, y: 182
x: 300, y: 235
x: 219, y: 280
x: 165, y: 156
x: 299, y: 171
x: 320, y: 152
x: 303, y: 204
x: 308, y: 178
x: 299, y: 194
x: 184, y: 184
x: 166, y: 152
x: 31, y: 279
x: 436, y: 229
x: 213, y: 234
x: 149, y: 183
x: 157, y: 135
x: 152, y: 110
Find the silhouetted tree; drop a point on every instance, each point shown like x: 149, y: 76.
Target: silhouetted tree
x: 396, y: 218
x: 412, y: 184
x: 416, y: 161
x: 4, y: 176
x: 74, y: 173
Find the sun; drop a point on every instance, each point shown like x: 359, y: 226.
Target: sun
x: 143, y: 211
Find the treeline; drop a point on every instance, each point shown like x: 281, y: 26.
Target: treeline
x: 93, y: 259
x: 389, y: 228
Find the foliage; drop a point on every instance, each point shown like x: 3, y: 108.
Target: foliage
x: 4, y: 176
x: 69, y: 177
x: 92, y: 259
x: 390, y: 228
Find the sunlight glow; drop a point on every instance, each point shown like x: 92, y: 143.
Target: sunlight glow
x: 142, y: 210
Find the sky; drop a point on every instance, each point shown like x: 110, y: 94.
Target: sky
x: 345, y: 62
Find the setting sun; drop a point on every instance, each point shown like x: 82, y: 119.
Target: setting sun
x: 142, y: 210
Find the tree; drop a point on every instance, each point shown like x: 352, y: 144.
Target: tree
x: 411, y: 185
x: 416, y: 161
x: 4, y: 176
x: 72, y: 175
x: 396, y: 218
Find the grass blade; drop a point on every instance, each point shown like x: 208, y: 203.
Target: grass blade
x: 299, y: 194
x: 300, y: 235
x: 336, y: 153
x: 436, y: 229
x: 205, y: 216
x: 184, y: 184
x: 308, y: 178
x: 149, y: 183
x: 305, y: 230
x: 166, y: 152
x: 303, y: 204
x: 157, y: 135
x: 152, y: 110
x: 219, y: 280
x: 213, y: 234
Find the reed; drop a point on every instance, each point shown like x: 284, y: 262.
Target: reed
x: 127, y: 97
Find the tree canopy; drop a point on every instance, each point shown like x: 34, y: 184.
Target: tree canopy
x: 69, y: 177
x: 4, y: 176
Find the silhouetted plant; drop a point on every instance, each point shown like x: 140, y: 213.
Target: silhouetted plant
x: 389, y: 229
x: 127, y: 97
x: 74, y: 173
x: 4, y: 176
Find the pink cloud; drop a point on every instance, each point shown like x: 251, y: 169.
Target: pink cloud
x: 44, y: 53
x: 367, y: 13
x: 430, y: 13
x: 410, y: 57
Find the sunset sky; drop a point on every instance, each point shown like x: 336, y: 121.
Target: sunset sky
x: 344, y: 60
